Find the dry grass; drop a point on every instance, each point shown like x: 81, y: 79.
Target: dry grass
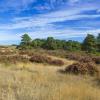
x: 34, y: 81
x: 43, y: 82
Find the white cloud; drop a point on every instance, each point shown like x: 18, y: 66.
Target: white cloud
x: 41, y: 26
x: 43, y: 21
x: 73, y: 1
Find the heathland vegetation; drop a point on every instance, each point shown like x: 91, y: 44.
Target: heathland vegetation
x: 50, y: 69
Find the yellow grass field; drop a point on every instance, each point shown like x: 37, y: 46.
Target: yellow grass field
x: 45, y: 82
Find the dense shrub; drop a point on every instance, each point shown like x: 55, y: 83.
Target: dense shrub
x: 73, y: 45
x: 80, y: 58
x: 57, y: 62
x: 82, y: 68
x: 45, y: 59
x: 73, y: 56
x: 96, y: 60
x: 85, y: 59
x: 40, y: 59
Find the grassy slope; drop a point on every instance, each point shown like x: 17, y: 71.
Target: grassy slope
x: 44, y: 82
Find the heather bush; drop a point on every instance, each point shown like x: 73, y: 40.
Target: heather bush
x: 96, y: 60
x: 82, y: 68
x: 85, y: 59
x: 46, y: 59
x: 73, y: 56
x: 40, y: 59
x: 57, y: 62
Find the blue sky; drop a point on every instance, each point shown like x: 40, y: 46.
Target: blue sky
x: 62, y: 19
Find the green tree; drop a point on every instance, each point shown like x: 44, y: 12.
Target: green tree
x: 98, y: 42
x: 60, y: 44
x: 50, y: 44
x: 38, y: 43
x: 73, y: 45
x: 25, y: 41
x: 89, y: 43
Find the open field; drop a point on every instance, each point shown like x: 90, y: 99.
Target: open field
x: 49, y: 50
x: 42, y: 81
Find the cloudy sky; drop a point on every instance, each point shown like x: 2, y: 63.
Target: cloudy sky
x: 62, y: 19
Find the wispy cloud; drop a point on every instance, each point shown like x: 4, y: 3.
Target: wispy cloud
x: 43, y: 25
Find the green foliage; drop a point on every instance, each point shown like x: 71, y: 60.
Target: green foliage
x: 25, y: 41
x: 50, y: 43
x: 98, y: 38
x: 73, y: 45
x: 98, y: 42
x: 38, y: 43
x: 59, y: 44
x: 89, y: 43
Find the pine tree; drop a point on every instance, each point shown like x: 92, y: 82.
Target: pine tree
x: 98, y: 42
x: 89, y: 43
x: 25, y: 41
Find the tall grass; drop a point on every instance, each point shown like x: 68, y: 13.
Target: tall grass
x: 39, y: 82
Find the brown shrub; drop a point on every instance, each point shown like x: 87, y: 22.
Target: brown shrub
x: 45, y: 59
x: 86, y: 59
x: 96, y: 60
x: 80, y: 58
x: 57, y: 62
x: 82, y: 68
x: 73, y: 56
x: 40, y: 59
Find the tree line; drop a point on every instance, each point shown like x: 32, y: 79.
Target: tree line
x: 90, y: 43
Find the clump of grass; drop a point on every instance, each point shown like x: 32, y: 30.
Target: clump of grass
x: 13, y: 59
x: 26, y: 52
